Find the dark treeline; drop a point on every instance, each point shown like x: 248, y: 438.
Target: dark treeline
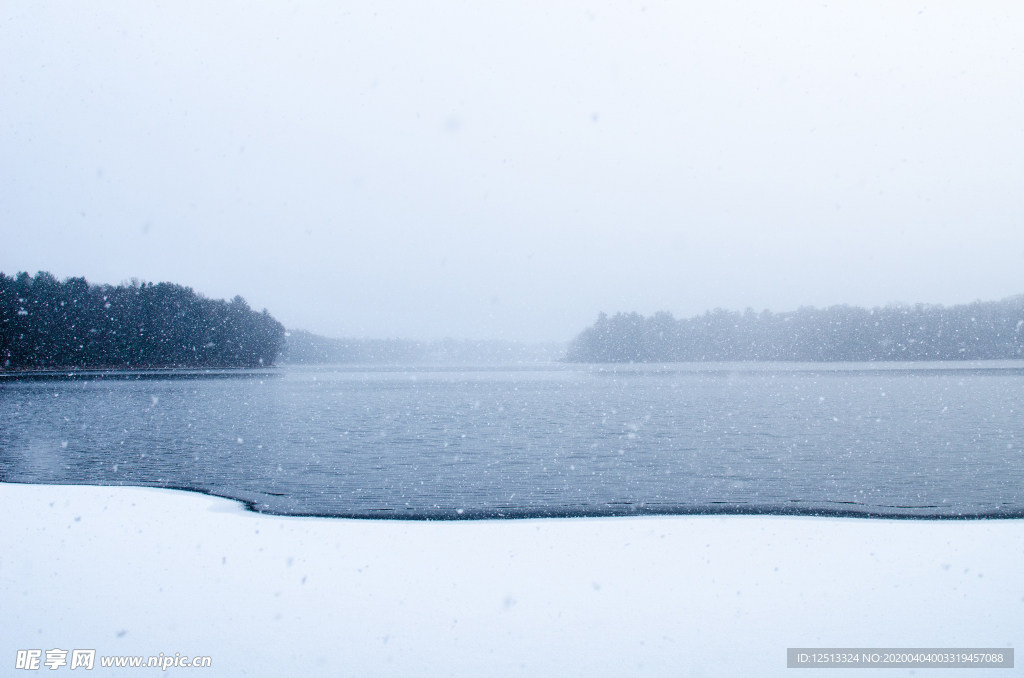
x: 46, y: 323
x: 978, y: 331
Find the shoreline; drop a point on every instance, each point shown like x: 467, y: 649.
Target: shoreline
x: 739, y: 366
x: 138, y: 373
x: 619, y: 510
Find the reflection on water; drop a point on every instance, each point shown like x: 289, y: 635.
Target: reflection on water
x: 553, y: 440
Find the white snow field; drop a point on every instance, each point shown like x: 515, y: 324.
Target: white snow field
x: 132, y: 571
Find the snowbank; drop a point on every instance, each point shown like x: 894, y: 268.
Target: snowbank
x: 131, y: 571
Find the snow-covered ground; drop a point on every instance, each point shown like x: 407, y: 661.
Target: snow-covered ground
x: 130, y: 571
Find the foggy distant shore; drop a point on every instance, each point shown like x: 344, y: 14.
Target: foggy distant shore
x: 976, y: 331
x: 304, y: 348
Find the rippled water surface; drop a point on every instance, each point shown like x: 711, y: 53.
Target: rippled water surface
x: 933, y: 440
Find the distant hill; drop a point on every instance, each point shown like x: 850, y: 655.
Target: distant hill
x: 977, y: 331
x: 304, y: 348
x: 49, y: 324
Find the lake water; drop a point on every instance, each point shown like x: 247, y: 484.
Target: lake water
x: 939, y: 440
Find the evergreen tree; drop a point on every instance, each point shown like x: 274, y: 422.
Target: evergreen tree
x: 45, y: 323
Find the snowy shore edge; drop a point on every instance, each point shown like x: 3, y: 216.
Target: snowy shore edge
x: 141, y: 571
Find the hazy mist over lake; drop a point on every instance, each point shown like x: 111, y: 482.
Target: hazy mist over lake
x: 451, y: 170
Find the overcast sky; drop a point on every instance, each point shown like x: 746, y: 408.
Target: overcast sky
x: 508, y: 170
